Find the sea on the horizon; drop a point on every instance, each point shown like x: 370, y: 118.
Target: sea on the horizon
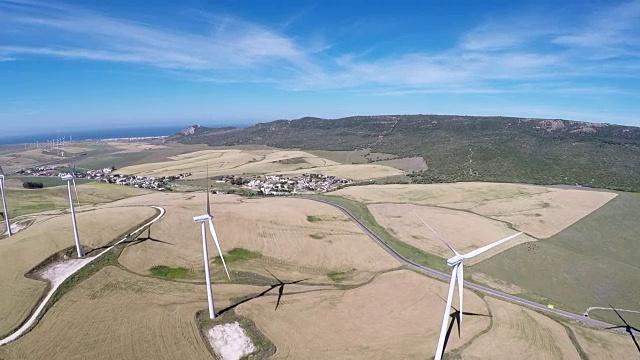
x: 91, y: 134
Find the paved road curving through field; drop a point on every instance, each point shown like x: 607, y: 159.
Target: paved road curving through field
x: 39, y: 310
x: 498, y: 294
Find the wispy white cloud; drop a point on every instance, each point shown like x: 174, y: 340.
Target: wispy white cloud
x: 612, y: 30
x: 233, y: 43
x: 502, y: 55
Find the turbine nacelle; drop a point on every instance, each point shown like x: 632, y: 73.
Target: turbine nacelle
x: 67, y: 177
x: 457, y: 275
x: 453, y: 261
x: 202, y: 218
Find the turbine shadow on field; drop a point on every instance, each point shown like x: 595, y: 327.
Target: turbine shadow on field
x: 630, y: 329
x: 135, y: 241
x: 280, y: 285
x: 455, y: 318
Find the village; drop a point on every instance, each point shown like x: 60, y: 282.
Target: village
x: 106, y: 175
x: 279, y: 185
x: 275, y: 185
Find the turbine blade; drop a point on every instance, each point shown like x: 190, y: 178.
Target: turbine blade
x: 215, y: 239
x: 488, y: 247
x: 435, y: 233
x: 1, y: 172
x: 460, y: 288
x: 445, y: 320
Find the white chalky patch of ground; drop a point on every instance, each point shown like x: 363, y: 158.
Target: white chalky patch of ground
x: 16, y: 228
x: 230, y: 341
x: 58, y: 272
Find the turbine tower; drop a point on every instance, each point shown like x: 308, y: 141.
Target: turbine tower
x: 4, y: 203
x: 203, y: 219
x: 457, y: 263
x: 70, y: 179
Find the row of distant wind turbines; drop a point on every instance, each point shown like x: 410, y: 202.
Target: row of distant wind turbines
x: 456, y: 262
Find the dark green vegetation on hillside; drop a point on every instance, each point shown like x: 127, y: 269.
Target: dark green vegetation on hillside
x: 594, y: 262
x: 464, y: 148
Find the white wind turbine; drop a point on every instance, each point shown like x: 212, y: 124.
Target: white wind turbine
x: 203, y: 219
x: 4, y: 202
x: 69, y: 178
x: 457, y: 263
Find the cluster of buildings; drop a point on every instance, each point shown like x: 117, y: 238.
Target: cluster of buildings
x: 46, y: 170
x: 154, y: 183
x: 287, y: 185
x: 106, y: 175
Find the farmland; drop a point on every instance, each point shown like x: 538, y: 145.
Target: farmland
x: 26, y: 201
x: 401, y: 220
x: 591, y: 263
x: 232, y: 161
x: 351, y: 299
x: 122, y: 316
x: 277, y: 228
x: 48, y: 235
x: 537, y: 210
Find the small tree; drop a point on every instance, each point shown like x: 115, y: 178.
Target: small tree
x: 32, y: 185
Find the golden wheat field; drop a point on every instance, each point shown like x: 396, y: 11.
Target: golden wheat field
x: 45, y: 237
x: 119, y: 315
x: 350, y: 171
x: 464, y: 231
x: 296, y: 235
x: 519, y: 333
x: 380, y: 312
x: 537, y: 210
x: 257, y: 162
x: 397, y: 316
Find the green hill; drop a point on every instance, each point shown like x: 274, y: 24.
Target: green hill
x: 463, y: 148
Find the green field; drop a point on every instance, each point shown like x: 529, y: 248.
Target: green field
x: 592, y: 263
x: 28, y: 201
x: 48, y: 181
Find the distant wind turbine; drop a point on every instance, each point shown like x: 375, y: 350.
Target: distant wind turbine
x: 69, y: 178
x: 456, y: 262
x: 4, y: 203
x: 203, y: 219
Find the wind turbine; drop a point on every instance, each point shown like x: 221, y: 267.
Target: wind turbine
x: 4, y: 202
x: 203, y: 219
x: 69, y: 178
x: 457, y: 263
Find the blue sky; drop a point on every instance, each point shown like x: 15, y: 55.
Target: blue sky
x: 100, y: 64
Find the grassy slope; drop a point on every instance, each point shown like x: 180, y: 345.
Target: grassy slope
x: 592, y: 263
